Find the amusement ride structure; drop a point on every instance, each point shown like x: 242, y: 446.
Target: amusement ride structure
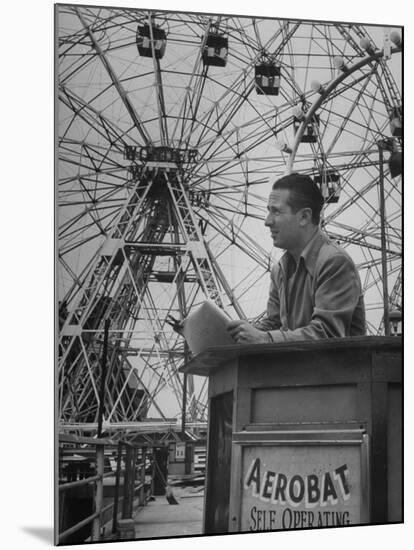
x: 170, y: 127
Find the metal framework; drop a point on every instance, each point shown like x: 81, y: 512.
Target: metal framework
x: 163, y: 176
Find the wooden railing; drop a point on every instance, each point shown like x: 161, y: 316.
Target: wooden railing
x: 83, y: 462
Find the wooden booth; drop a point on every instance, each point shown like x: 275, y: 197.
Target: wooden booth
x: 302, y: 435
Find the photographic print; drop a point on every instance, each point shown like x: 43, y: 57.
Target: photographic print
x: 228, y: 273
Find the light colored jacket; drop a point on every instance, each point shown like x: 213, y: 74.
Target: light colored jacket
x: 322, y: 299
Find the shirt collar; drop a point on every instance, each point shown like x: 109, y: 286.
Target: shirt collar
x: 309, y: 253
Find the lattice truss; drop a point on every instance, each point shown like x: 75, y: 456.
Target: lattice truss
x: 169, y: 128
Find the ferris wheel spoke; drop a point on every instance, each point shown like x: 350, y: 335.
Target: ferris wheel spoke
x: 375, y: 274
x: 72, y: 228
x: 191, y: 105
x: 347, y: 119
x: 121, y: 91
x: 351, y: 199
x: 368, y: 231
x: 329, y: 221
x: 79, y: 64
x: 98, y: 123
x: 377, y: 282
x: 96, y: 205
x: 243, y: 241
x: 162, y: 117
x: 81, y: 235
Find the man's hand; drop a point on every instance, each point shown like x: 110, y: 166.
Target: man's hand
x: 243, y: 332
x: 176, y: 324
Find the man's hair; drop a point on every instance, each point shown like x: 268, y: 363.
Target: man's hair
x: 303, y: 193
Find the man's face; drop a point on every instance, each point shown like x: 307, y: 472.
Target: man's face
x: 282, y: 222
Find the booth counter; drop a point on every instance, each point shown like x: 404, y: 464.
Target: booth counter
x: 302, y: 435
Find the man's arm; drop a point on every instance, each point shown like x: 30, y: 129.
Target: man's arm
x: 338, y: 290
x: 244, y: 333
x: 272, y: 320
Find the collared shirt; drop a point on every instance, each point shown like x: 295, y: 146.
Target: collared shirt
x: 322, y: 298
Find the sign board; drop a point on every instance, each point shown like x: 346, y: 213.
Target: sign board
x: 287, y: 486
x: 180, y: 451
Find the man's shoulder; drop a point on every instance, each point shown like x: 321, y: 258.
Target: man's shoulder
x: 331, y: 251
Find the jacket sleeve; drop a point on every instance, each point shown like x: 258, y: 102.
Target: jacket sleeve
x: 272, y: 319
x: 337, y: 292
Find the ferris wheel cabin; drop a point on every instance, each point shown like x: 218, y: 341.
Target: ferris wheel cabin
x: 151, y: 39
x: 215, y: 50
x: 267, y: 78
x: 396, y: 122
x: 311, y: 133
x: 329, y: 184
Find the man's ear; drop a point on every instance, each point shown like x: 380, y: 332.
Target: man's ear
x: 305, y: 216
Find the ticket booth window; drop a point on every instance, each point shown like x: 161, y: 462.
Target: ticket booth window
x: 180, y: 452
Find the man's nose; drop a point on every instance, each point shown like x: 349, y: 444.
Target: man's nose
x: 268, y: 221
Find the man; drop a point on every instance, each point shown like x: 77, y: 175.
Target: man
x: 315, y: 290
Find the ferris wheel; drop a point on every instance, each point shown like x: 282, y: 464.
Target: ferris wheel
x: 169, y: 128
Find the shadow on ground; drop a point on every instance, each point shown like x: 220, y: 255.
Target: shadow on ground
x: 44, y: 534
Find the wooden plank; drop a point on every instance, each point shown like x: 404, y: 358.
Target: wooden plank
x: 128, y: 481
x: 309, y: 426
x: 213, y: 358
x: 207, y: 465
x: 243, y: 408
x: 218, y: 467
x: 302, y: 369
x: 72, y: 438
x: 223, y: 380
x: 364, y: 405
x: 333, y: 403
x: 387, y: 366
x: 379, y: 458
x: 96, y: 527
x: 395, y: 453
x: 235, y: 489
